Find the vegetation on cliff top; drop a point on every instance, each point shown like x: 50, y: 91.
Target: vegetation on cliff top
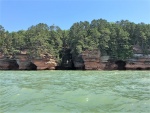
x: 113, y: 39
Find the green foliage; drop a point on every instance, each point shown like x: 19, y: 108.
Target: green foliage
x: 113, y: 39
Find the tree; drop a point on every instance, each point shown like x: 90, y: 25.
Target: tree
x: 124, y: 48
x: 113, y: 39
x: 37, y: 39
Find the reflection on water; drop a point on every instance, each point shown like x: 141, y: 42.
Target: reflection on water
x: 74, y: 91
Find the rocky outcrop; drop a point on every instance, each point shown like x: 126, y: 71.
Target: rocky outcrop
x: 44, y: 64
x: 110, y: 65
x: 79, y: 63
x: 87, y: 60
x: 92, y: 60
x: 23, y: 61
x: 8, y: 64
x: 138, y: 62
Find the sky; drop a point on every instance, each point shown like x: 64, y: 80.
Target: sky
x: 21, y: 14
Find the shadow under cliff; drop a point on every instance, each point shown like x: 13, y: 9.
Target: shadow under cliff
x: 31, y: 66
x: 120, y: 65
x: 66, y: 60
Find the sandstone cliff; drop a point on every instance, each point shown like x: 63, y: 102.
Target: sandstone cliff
x: 8, y: 64
x: 138, y: 62
x: 88, y: 60
x: 23, y: 61
x: 92, y: 60
x: 43, y: 64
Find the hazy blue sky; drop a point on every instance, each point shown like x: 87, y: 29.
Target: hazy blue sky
x: 21, y: 14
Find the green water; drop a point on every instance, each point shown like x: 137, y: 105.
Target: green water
x: 74, y: 91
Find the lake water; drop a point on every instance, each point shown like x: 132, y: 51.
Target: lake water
x: 74, y: 91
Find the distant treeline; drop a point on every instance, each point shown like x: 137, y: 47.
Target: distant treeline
x: 113, y: 39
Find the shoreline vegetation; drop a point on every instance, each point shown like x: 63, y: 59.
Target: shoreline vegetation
x: 95, y: 45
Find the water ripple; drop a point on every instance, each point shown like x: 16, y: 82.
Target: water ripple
x: 74, y: 91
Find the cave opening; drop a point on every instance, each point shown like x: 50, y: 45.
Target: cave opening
x: 13, y: 65
x: 120, y: 65
x: 138, y: 68
x: 66, y: 60
x: 31, y: 66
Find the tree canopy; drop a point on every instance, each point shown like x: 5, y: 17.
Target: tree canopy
x: 114, y: 39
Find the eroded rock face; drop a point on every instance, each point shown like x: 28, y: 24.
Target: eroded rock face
x: 92, y: 60
x: 110, y: 65
x: 141, y: 63
x: 88, y: 60
x: 24, y: 62
x: 79, y: 65
x: 8, y: 64
x: 31, y: 66
x: 43, y: 64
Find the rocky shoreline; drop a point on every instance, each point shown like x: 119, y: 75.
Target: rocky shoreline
x: 88, y: 60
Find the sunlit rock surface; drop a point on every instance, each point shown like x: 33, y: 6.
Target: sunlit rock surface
x: 92, y: 60
x: 23, y: 61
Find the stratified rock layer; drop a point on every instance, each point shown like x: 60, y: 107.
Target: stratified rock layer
x: 88, y: 60
x: 25, y: 62
x: 92, y: 60
x: 43, y: 64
